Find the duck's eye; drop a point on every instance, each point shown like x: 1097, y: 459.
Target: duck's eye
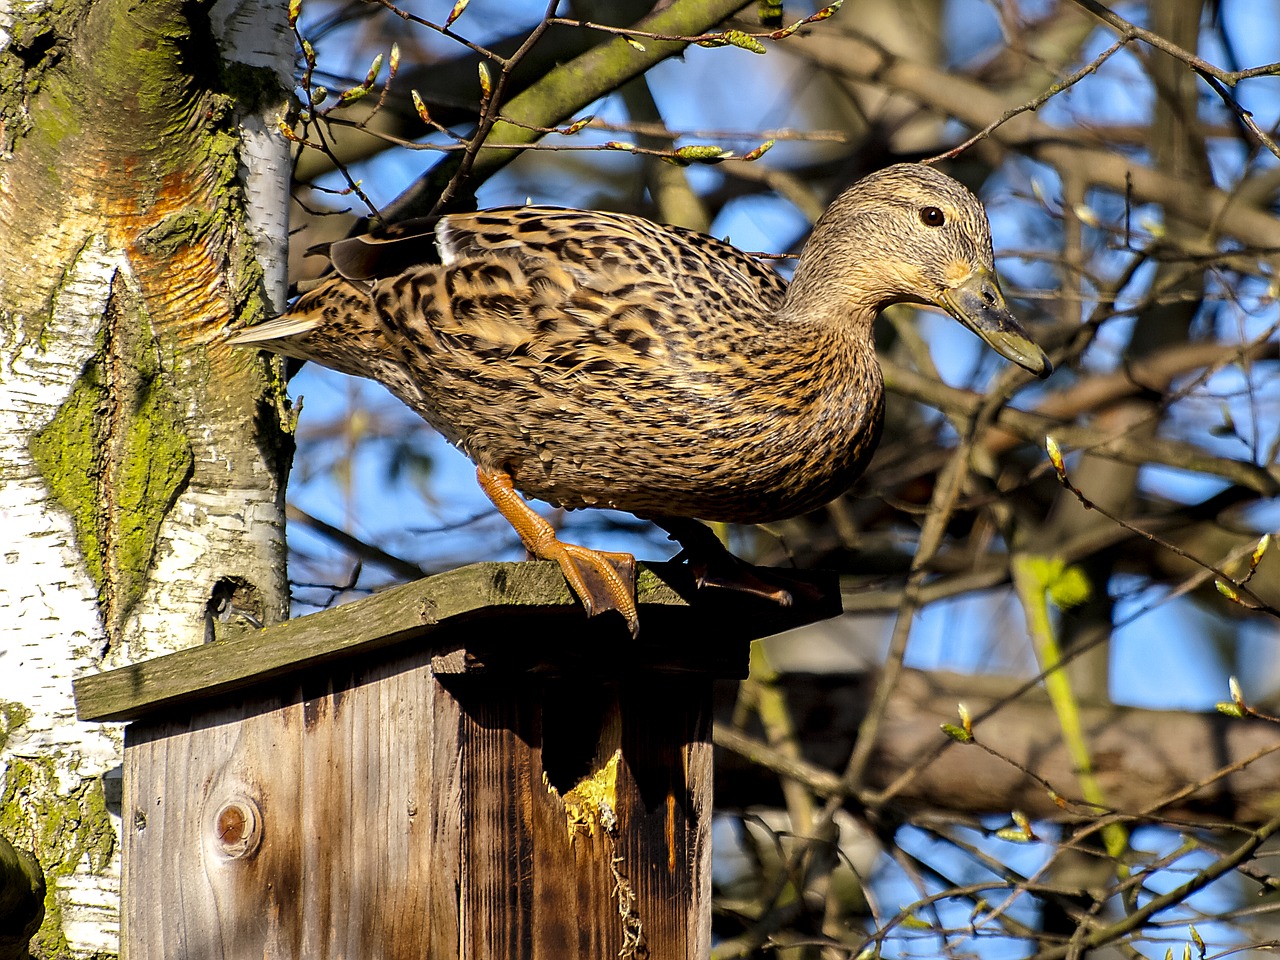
x: 932, y: 217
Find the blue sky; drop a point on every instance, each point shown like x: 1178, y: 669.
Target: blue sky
x: 737, y: 90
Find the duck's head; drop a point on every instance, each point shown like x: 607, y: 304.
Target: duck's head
x: 911, y: 234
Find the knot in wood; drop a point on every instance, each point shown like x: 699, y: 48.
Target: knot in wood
x: 238, y: 828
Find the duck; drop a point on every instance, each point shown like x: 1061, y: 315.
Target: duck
x: 601, y: 360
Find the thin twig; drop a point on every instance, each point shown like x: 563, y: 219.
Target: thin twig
x: 1036, y: 103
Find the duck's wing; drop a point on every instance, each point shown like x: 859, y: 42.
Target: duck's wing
x: 552, y: 291
x: 706, y: 273
x: 593, y: 245
x: 383, y: 253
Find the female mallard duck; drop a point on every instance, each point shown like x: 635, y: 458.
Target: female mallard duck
x: 601, y: 360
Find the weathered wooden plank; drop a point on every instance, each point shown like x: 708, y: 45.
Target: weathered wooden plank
x: 552, y: 875
x: 313, y: 823
x: 386, y: 813
x: 682, y: 629
x: 496, y: 844
x: 669, y: 847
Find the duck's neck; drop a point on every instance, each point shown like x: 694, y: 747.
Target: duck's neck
x: 832, y: 323
x: 831, y: 305
x: 837, y: 285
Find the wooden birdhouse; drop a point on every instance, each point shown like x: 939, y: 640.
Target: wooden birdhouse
x: 464, y: 766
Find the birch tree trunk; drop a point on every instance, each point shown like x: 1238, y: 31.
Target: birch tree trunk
x: 142, y: 462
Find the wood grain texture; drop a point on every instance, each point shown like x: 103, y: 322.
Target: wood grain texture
x: 506, y: 616
x: 356, y: 779
x: 540, y: 886
x: 428, y: 800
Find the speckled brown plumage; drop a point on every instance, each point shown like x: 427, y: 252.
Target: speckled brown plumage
x: 600, y: 359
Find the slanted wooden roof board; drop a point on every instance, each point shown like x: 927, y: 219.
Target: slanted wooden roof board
x: 477, y: 616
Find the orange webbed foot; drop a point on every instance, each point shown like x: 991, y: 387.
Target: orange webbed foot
x: 602, y: 580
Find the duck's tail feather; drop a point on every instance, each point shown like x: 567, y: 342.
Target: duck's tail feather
x: 282, y: 328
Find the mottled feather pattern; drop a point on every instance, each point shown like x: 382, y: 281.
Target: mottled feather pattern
x: 601, y: 359
x: 596, y: 241
x: 517, y: 349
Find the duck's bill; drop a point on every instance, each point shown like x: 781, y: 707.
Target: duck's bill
x: 979, y: 305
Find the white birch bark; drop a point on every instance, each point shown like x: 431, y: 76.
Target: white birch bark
x: 58, y: 277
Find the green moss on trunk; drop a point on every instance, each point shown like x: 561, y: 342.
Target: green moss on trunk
x: 65, y: 830
x: 115, y: 457
x: 12, y: 717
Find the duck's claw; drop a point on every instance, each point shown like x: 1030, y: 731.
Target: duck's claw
x: 713, y: 565
x: 739, y: 576
x: 601, y: 580
x: 762, y: 582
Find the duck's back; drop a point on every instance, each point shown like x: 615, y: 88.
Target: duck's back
x: 702, y: 272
